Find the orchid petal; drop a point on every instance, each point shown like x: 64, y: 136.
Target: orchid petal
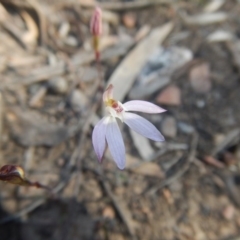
x: 115, y: 143
x: 143, y: 127
x: 108, y: 94
x: 98, y: 137
x: 142, y: 106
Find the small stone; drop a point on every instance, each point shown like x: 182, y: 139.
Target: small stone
x: 108, y: 212
x: 185, y: 128
x: 129, y: 20
x: 34, y: 88
x: 169, y: 127
x: 228, y: 212
x: 218, y: 138
x: 200, y: 103
x: 64, y: 29
x: 171, y: 95
x: 149, y: 169
x: 58, y: 85
x: 78, y: 100
x: 71, y: 41
x: 200, y: 78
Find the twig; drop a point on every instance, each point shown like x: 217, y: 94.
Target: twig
x: 115, y: 6
x: 119, y: 6
x: 167, y: 148
x: 11, y: 28
x: 95, y: 103
x: 117, y: 205
x: 231, y: 137
x: 189, y: 159
x: 119, y: 208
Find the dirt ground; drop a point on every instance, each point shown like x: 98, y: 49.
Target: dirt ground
x: 185, y: 188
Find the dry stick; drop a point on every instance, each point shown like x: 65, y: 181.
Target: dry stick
x: 95, y: 103
x: 42, y: 20
x: 231, y: 137
x: 190, y: 159
x: 113, y: 198
x: 80, y: 150
x: 119, y: 6
x: 115, y: 6
x: 119, y: 209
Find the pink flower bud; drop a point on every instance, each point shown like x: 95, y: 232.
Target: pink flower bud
x: 13, y: 174
x: 16, y: 175
x: 96, y: 22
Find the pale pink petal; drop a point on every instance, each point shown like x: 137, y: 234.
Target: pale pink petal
x: 108, y: 94
x: 142, y: 106
x: 115, y: 143
x: 98, y: 137
x: 142, y: 126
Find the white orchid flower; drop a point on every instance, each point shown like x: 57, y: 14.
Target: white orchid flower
x: 107, y: 128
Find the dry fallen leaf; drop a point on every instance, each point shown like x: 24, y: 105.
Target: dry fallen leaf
x: 31, y: 36
x: 158, y: 70
x: 125, y: 74
x: 220, y: 36
x: 214, y: 5
x: 204, y: 18
x: 142, y: 32
x: 30, y: 129
x: 110, y: 17
x: 143, y: 145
